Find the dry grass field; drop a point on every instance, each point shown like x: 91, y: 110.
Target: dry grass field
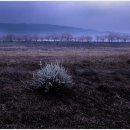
x: 99, y: 98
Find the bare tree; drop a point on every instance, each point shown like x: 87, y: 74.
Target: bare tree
x: 20, y: 38
x: 103, y: 38
x: 76, y: 38
x: 27, y: 38
x: 42, y: 38
x: 9, y: 38
x: 48, y: 37
x: 55, y: 37
x: 125, y: 37
x: 89, y: 38
x: 35, y: 38
x: 1, y: 39
x: 97, y: 38
x: 82, y: 38
x: 66, y: 37
x: 110, y: 37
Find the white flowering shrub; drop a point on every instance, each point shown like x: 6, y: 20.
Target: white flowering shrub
x: 52, y: 76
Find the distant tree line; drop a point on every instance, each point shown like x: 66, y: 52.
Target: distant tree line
x: 113, y: 37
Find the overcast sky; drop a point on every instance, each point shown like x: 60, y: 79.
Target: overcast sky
x: 104, y: 16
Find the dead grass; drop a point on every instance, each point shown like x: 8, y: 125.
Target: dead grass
x: 99, y: 98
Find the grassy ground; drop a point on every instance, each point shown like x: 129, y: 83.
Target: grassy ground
x: 99, y: 98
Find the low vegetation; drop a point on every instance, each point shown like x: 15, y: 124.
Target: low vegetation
x: 99, y: 97
x: 52, y: 76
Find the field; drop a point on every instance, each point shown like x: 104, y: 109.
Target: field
x: 99, y: 98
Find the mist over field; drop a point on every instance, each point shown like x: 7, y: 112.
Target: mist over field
x: 64, y: 65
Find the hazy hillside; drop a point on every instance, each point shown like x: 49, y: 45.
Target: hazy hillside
x: 22, y: 28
